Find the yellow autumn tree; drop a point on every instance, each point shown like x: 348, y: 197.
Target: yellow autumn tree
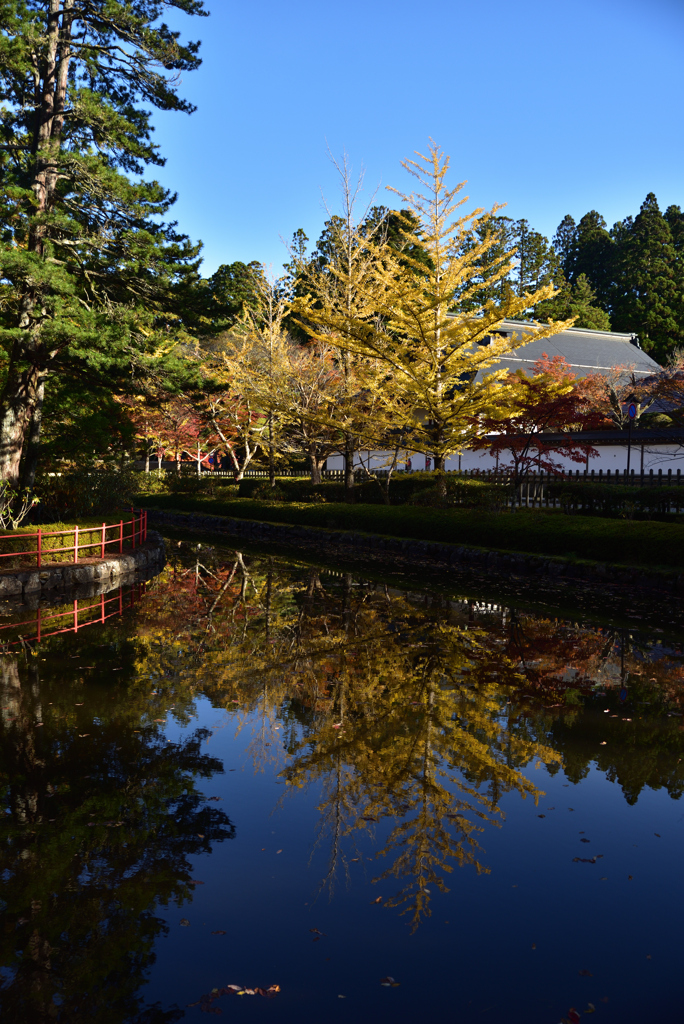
x: 418, y: 314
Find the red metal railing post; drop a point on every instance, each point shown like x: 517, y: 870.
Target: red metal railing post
x: 102, y: 608
x: 76, y: 616
x: 120, y: 536
x: 76, y: 545
x: 133, y: 526
x: 145, y: 514
x: 39, y: 553
x: 102, y: 550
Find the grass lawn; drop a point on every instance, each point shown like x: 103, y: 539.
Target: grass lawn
x: 626, y: 542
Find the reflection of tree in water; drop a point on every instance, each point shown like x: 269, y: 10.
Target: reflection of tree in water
x: 414, y: 714
x: 97, y: 832
x: 393, y: 710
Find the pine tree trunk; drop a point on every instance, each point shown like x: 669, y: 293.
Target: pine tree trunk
x: 30, y: 463
x: 19, y: 398
x: 349, y: 469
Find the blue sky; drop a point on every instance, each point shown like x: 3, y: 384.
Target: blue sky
x: 551, y: 107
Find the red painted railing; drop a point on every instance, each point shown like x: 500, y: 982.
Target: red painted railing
x: 133, y: 530
x: 103, y: 608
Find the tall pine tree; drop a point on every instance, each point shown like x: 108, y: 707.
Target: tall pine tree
x: 88, y: 266
x: 647, y: 294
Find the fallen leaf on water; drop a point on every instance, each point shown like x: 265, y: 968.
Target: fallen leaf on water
x: 219, y: 932
x: 341, y: 997
x: 355, y: 858
x: 630, y: 877
x: 541, y: 815
x: 184, y: 921
x: 590, y: 1008
x: 279, y: 851
x: 193, y: 881
x: 658, y: 834
x: 585, y: 840
x: 200, y: 835
x: 648, y: 956
x: 82, y: 735
x: 585, y: 973
x: 602, y: 743
x: 389, y: 982
x: 213, y: 798
x: 368, y: 817
x: 378, y: 900
x: 534, y: 945
x: 317, y: 933
x: 604, y: 878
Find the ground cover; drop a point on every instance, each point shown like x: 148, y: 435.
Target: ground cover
x: 646, y: 544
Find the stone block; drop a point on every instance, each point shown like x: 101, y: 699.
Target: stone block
x: 10, y: 586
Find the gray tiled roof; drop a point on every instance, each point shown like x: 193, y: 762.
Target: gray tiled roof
x: 586, y: 351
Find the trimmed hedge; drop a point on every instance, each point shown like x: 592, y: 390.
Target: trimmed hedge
x: 646, y: 544
x: 617, y: 500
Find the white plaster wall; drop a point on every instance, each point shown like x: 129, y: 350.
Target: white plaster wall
x: 609, y: 457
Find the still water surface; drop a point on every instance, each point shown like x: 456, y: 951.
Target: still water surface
x: 267, y: 773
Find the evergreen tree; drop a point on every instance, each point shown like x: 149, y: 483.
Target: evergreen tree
x: 92, y: 274
x: 565, y: 245
x: 578, y: 301
x: 536, y: 263
x: 594, y: 255
x: 646, y: 296
x: 234, y: 288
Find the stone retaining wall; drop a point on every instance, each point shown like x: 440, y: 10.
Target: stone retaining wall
x: 64, y: 576
x: 394, y: 550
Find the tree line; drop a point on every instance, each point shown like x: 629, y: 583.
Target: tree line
x: 386, y: 336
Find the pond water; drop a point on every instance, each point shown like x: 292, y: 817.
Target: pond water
x: 349, y: 799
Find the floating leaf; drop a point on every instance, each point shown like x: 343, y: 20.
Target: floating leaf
x: 585, y: 973
x: 184, y: 922
x: 378, y: 900
x: 541, y: 815
x: 219, y: 932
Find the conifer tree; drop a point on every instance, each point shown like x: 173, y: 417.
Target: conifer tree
x: 647, y: 294
x: 434, y: 353
x: 89, y: 267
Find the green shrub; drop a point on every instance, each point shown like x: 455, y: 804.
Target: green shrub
x: 78, y: 493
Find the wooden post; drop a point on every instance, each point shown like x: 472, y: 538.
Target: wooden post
x: 76, y: 545
x: 39, y: 552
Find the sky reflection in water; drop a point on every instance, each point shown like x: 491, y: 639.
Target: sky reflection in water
x: 269, y: 773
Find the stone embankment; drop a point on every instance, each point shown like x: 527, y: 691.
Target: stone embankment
x: 381, y: 549
x: 95, y: 575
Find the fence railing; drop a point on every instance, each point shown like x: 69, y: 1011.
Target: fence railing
x: 126, y: 533
x: 102, y: 608
x: 647, y: 478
